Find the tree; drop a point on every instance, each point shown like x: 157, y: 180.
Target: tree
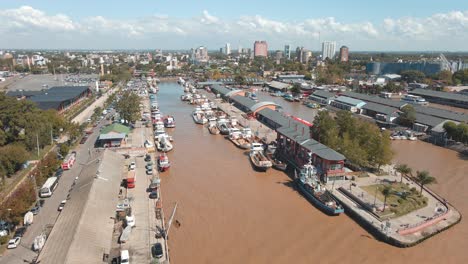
x: 12, y: 157
x: 379, y: 148
x: 451, y: 129
x: 460, y: 77
x: 129, y: 107
x: 445, y: 76
x: 387, y: 190
x: 408, y: 115
x: 412, y: 76
x: 296, y: 89
x: 392, y: 87
x: 325, y: 130
x: 239, y: 79
x: 404, y: 170
x: 424, y: 178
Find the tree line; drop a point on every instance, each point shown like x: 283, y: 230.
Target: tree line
x: 361, y: 142
x: 457, y: 132
x: 23, y: 128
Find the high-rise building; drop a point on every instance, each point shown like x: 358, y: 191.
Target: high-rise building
x: 287, y: 51
x: 260, y: 49
x: 344, y: 54
x: 303, y: 55
x: 227, y: 49
x: 239, y: 49
x: 328, y: 50
x: 200, y: 54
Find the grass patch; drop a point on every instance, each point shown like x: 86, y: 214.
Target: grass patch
x: 401, y: 201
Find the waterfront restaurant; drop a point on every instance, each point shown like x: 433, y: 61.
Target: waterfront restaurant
x: 295, y: 145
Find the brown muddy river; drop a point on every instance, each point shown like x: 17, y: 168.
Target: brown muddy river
x: 231, y: 214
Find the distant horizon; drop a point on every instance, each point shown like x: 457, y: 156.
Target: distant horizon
x: 216, y: 50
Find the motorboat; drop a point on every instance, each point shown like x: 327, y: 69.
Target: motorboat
x: 259, y: 161
x: 169, y: 122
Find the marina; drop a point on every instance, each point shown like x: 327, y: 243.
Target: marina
x: 211, y: 145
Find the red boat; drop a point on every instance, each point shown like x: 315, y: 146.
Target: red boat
x: 163, y: 162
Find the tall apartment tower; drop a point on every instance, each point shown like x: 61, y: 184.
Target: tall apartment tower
x: 260, y: 49
x: 287, y: 51
x: 228, y: 49
x: 328, y: 50
x: 344, y: 54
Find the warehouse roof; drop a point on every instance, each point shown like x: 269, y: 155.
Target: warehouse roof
x: 349, y: 100
x: 322, y: 150
x: 375, y: 99
x: 116, y: 127
x: 428, y: 120
x: 441, y: 113
x: 244, y: 101
x: 274, y: 116
x: 442, y: 95
x: 278, y: 85
x: 380, y: 108
x: 220, y: 89
x: 323, y: 94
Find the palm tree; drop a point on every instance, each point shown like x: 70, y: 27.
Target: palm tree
x: 387, y: 190
x: 403, y: 169
x: 424, y: 178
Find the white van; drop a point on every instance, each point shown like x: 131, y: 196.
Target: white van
x: 124, y: 257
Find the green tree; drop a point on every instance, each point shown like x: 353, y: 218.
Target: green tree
x: 129, y: 107
x: 408, y: 115
x: 451, y: 129
x: 424, y: 178
x: 296, y: 89
x: 379, y: 149
x: 445, y: 76
x: 12, y: 157
x: 64, y: 149
x: 392, y: 87
x: 412, y: 76
x: 460, y: 77
x: 239, y: 79
x: 404, y: 170
x: 325, y: 130
x: 346, y: 123
x: 387, y: 191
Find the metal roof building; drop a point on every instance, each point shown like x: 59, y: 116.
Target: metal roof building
x: 58, y: 98
x: 375, y: 99
x: 441, y: 113
x: 279, y: 86
x: 453, y: 99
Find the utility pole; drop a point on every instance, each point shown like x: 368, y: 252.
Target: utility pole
x: 37, y: 142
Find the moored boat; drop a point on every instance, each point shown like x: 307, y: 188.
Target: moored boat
x: 235, y: 136
x: 163, y: 162
x: 199, y: 117
x: 315, y: 192
x: 213, y: 129
x: 258, y: 158
x: 169, y: 122
x: 164, y: 144
x: 276, y: 163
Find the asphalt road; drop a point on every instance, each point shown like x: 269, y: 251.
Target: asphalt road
x: 49, y: 213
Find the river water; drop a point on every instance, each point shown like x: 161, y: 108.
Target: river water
x: 229, y: 213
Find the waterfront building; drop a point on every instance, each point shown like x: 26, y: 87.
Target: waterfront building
x: 296, y: 145
x: 445, y: 98
x: 344, y: 54
x: 328, y: 50
x: 348, y: 103
x: 287, y: 51
x: 322, y: 97
x: 278, y: 86
x: 260, y: 49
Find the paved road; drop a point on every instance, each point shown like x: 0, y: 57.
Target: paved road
x: 88, y: 112
x: 49, y: 213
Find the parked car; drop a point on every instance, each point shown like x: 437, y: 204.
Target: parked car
x: 147, y: 157
x: 149, y: 166
x: 83, y: 139
x: 130, y: 220
x: 62, y: 205
x: 3, y: 232
x: 132, y: 166
x: 149, y: 171
x: 157, y: 251
x: 35, y: 210
x: 14, y: 242
x: 154, y: 194
x: 59, y: 173
x: 124, y: 257
x: 19, y: 232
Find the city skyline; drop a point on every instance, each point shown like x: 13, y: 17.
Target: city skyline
x: 67, y: 26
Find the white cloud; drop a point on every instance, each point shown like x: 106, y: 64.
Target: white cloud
x: 19, y: 26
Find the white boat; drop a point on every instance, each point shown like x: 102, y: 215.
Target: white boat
x: 258, y: 158
x: 199, y: 117
x: 247, y: 133
x: 164, y: 144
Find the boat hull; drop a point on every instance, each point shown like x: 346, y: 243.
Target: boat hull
x: 316, y: 202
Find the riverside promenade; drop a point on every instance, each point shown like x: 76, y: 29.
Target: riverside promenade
x: 401, y: 231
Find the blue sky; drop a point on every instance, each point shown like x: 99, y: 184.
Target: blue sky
x: 367, y: 25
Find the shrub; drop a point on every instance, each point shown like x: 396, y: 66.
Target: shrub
x: 413, y: 190
x: 4, y: 240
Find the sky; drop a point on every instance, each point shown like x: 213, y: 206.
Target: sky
x: 410, y: 25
